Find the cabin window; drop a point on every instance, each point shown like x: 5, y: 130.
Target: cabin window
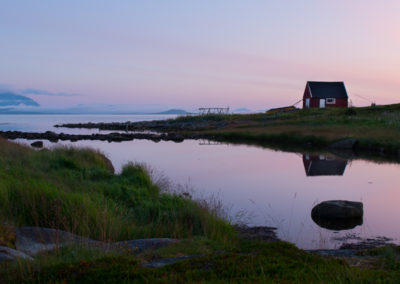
x: 330, y: 101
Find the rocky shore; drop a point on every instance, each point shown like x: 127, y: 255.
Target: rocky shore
x: 110, y: 137
x: 154, y: 125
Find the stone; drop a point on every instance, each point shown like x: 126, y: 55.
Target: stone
x: 338, y: 209
x: 348, y: 143
x: 337, y: 224
x: 37, y: 144
x: 9, y: 254
x: 140, y: 245
x: 33, y: 240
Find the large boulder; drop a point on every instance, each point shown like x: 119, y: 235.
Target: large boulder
x: 337, y: 224
x: 338, y: 214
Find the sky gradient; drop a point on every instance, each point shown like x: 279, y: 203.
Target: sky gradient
x: 190, y: 54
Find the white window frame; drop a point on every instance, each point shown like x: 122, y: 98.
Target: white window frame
x: 330, y: 101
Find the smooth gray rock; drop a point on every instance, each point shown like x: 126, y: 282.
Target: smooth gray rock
x: 338, y: 209
x: 9, y: 254
x: 142, y: 244
x: 348, y: 144
x: 167, y: 261
x: 33, y: 240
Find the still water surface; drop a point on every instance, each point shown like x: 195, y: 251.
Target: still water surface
x: 274, y: 188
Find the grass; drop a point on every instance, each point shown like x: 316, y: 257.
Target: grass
x: 250, y: 262
x: 77, y: 190
x: 376, y: 128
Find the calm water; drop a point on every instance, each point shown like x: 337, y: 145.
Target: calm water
x: 273, y: 188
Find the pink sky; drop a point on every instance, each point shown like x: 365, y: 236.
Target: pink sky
x: 254, y: 54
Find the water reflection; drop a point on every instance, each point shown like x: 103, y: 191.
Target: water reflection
x: 323, y: 165
x: 337, y: 224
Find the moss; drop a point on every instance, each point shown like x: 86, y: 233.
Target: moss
x: 252, y: 262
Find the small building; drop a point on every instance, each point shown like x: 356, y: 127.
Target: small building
x: 325, y: 94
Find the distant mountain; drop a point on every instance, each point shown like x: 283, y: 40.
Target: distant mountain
x: 242, y: 110
x: 173, y: 111
x: 11, y: 99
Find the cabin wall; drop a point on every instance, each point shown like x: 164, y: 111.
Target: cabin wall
x: 306, y: 95
x: 314, y: 103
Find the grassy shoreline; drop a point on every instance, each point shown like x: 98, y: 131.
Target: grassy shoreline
x: 77, y: 191
x: 376, y: 129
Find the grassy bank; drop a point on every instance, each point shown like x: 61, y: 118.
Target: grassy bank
x: 376, y: 128
x: 77, y: 190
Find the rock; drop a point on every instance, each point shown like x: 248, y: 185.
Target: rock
x: 337, y: 224
x: 262, y: 233
x: 9, y: 254
x: 143, y: 244
x: 37, y: 144
x: 33, y: 240
x: 337, y: 209
x: 348, y: 143
x: 169, y: 260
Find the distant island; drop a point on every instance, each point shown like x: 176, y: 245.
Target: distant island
x: 10, y: 99
x: 173, y: 111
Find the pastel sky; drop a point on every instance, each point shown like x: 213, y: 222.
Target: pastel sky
x: 180, y: 53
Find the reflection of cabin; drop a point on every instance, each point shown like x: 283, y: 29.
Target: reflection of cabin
x: 321, y: 165
x: 325, y: 94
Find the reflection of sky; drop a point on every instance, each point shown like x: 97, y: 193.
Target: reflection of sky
x: 271, y: 185
x: 256, y: 54
x: 42, y: 123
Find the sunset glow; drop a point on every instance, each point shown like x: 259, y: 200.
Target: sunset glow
x: 254, y: 54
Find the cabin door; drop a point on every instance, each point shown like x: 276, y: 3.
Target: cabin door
x: 322, y: 103
x: 307, y: 103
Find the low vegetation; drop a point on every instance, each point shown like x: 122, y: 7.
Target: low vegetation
x: 77, y: 190
x: 376, y: 127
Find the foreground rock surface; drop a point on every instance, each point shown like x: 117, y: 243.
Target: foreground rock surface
x: 30, y: 241
x: 9, y: 254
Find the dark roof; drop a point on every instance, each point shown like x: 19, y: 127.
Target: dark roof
x: 326, y: 168
x: 328, y: 90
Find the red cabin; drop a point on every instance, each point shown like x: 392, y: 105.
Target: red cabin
x: 325, y: 94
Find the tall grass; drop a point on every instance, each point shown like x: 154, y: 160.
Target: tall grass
x: 76, y: 190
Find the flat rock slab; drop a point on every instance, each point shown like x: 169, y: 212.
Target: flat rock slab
x: 142, y: 244
x: 262, y: 233
x: 167, y: 261
x: 33, y: 240
x: 9, y: 254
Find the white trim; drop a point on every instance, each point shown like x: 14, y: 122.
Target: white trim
x: 309, y: 89
x: 330, y: 101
